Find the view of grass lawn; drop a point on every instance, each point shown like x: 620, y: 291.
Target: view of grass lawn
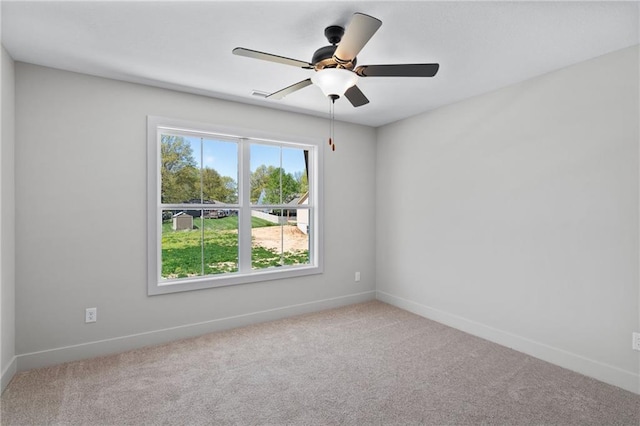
x: 182, y: 250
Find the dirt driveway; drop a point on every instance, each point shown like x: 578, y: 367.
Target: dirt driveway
x: 270, y: 237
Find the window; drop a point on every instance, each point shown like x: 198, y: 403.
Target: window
x: 230, y: 206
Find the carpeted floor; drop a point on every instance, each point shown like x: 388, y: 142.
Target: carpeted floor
x: 368, y: 363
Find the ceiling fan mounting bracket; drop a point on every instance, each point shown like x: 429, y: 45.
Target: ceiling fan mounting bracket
x: 334, y: 34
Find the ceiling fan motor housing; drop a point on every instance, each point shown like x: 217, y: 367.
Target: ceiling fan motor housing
x: 323, y: 57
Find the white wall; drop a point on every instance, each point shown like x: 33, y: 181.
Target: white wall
x: 514, y: 216
x: 81, y: 161
x: 7, y: 222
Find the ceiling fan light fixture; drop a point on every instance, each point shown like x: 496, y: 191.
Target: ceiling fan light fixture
x: 334, y: 81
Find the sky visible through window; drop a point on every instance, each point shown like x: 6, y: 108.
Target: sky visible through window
x: 222, y: 156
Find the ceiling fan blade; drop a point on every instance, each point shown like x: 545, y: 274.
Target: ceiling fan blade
x: 361, y: 28
x: 398, y: 70
x: 241, y: 51
x: 288, y: 90
x: 356, y: 97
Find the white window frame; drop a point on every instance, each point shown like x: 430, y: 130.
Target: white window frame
x: 156, y: 285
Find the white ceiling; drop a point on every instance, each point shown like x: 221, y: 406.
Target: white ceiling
x: 481, y: 46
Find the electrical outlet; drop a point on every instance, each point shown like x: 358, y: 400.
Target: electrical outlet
x: 91, y: 315
x: 636, y: 341
x: 357, y: 276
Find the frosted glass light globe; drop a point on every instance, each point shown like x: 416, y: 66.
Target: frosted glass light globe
x: 334, y: 81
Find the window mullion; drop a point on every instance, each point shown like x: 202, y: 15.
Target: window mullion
x: 202, y: 262
x: 281, y: 202
x: 244, y: 214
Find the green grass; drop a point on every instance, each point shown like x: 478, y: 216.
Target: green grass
x: 265, y: 258
x: 182, y: 250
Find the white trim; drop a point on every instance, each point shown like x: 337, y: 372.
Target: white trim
x: 235, y: 278
x: 245, y: 274
x: 610, y: 374
x: 8, y: 373
x: 114, y: 345
x: 244, y: 214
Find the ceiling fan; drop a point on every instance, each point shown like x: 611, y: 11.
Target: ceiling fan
x: 335, y: 65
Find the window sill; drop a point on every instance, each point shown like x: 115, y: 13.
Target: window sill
x: 199, y: 283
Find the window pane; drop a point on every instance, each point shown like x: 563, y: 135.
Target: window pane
x: 219, y: 171
x: 265, y: 174
x: 295, y: 167
x: 220, y: 242
x: 277, y: 240
x: 298, y: 235
x: 200, y: 243
x: 179, y: 169
x: 278, y: 174
x: 295, y: 240
x: 266, y: 239
x: 181, y: 245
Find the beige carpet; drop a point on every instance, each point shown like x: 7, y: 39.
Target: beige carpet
x: 369, y: 363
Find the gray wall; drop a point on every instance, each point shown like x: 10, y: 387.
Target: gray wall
x: 7, y: 221
x: 81, y: 164
x: 514, y: 216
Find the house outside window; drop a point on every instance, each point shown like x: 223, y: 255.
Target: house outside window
x: 230, y: 206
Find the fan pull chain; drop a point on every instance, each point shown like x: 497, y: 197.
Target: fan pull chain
x: 332, y: 124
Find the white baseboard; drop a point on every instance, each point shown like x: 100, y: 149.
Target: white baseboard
x: 61, y: 355
x: 600, y: 371
x: 8, y: 373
